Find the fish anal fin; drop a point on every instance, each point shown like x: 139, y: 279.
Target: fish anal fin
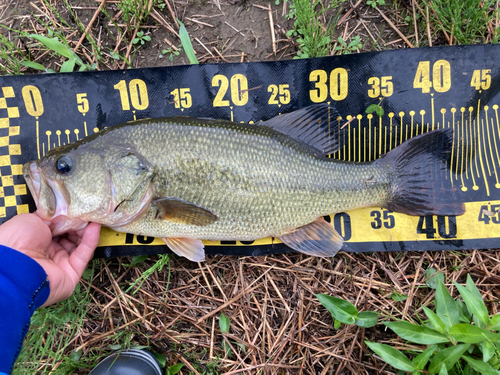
x: 179, y: 211
x: 190, y: 248
x: 318, y: 238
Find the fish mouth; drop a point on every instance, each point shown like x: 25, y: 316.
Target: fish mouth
x: 50, y: 196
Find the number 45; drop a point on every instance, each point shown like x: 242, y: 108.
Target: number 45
x: 481, y: 79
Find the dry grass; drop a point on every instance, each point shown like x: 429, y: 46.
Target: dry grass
x: 270, y: 300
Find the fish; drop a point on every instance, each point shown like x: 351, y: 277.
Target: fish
x: 187, y: 179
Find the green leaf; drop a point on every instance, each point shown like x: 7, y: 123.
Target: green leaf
x: 115, y: 347
x: 367, y: 319
x: 371, y: 108
x: 494, y: 323
x: 75, y: 356
x: 380, y: 113
x: 432, y: 276
x: 446, y: 308
x: 443, y: 370
x: 397, y: 296
x: 52, y: 44
x: 137, y: 260
x: 488, y: 350
x: 227, y: 348
x: 186, y: 43
x: 147, y: 38
x: 174, y: 369
x: 476, y: 305
x: 448, y: 357
x: 33, y: 65
x: 471, y: 287
x: 68, y: 66
x: 417, y: 334
x: 224, y: 323
x: 162, y: 360
x: 342, y: 310
x: 421, y: 360
x: 482, y: 367
x: 336, y: 324
x: 435, y: 320
x: 472, y: 334
x: 392, y: 356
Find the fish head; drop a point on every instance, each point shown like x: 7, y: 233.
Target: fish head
x: 74, y: 185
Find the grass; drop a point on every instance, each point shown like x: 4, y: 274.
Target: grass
x: 173, y: 306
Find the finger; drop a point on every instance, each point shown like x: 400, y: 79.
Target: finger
x: 82, y: 255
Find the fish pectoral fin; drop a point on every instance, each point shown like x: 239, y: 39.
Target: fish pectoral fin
x: 190, y: 248
x: 179, y: 211
x: 318, y: 238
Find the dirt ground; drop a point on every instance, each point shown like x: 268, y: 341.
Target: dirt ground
x: 275, y: 316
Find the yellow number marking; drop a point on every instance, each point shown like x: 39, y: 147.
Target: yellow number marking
x: 32, y: 100
x: 83, y: 103
x: 481, y: 79
x: 220, y: 81
x: 279, y: 94
x: 138, y: 94
x: 182, y: 98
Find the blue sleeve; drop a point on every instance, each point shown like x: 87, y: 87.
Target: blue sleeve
x: 23, y: 288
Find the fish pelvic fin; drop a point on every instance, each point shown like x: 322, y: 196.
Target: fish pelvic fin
x: 316, y: 125
x: 318, y: 238
x: 190, y: 248
x: 419, y: 173
x: 177, y: 210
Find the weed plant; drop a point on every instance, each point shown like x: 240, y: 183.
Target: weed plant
x: 466, y: 21
x: 313, y: 38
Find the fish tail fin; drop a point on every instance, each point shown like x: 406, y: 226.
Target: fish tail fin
x: 420, y: 177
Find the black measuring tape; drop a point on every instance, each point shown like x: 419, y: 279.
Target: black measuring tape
x: 419, y: 90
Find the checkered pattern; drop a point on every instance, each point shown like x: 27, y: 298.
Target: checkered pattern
x: 10, y: 201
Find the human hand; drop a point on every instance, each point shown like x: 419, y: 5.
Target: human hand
x: 63, y: 258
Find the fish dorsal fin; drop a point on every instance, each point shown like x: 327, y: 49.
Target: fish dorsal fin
x: 318, y: 238
x: 179, y: 211
x: 190, y: 248
x: 317, y: 125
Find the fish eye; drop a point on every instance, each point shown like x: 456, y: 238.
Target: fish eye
x: 64, y: 164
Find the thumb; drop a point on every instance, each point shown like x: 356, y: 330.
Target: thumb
x: 84, y: 252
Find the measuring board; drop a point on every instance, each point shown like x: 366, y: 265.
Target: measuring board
x: 419, y: 89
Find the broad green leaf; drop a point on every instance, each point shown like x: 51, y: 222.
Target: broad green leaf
x: 398, y: 296
x: 137, y: 260
x: 367, y: 319
x: 371, y: 108
x: 186, y: 43
x: 227, y: 348
x: 75, y: 356
x: 421, y: 360
x: 162, y: 360
x: 432, y: 276
x: 224, y: 323
x: 435, y: 320
x: 342, y: 310
x: 443, y: 370
x: 336, y: 324
x: 446, y: 308
x: 33, y: 65
x: 417, y: 334
x: 392, y: 356
x: 471, y: 287
x: 488, y: 350
x: 476, y: 305
x: 494, y: 323
x: 115, y: 347
x: 472, y: 334
x: 174, y: 369
x: 482, y: 367
x: 68, y: 66
x: 52, y: 44
x: 448, y: 357
x: 465, y: 315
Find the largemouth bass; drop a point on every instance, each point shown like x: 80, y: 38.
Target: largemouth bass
x: 186, y: 179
